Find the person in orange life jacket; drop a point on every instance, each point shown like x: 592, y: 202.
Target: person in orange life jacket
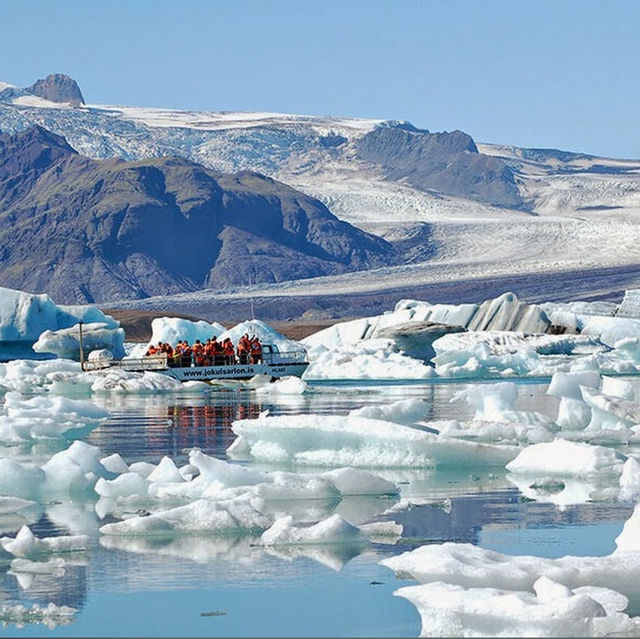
x: 198, y: 353
x: 150, y: 351
x: 186, y: 354
x: 208, y: 352
x: 244, y: 347
x: 229, y: 351
x: 256, y: 350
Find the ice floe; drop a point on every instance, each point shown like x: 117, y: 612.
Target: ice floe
x: 466, y: 590
x: 47, y: 417
x: 351, y: 440
x: 65, y: 342
x: 332, y: 530
x: 27, y: 546
x: 561, y: 457
x: 551, y: 610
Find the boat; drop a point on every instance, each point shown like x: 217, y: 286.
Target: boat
x: 273, y: 363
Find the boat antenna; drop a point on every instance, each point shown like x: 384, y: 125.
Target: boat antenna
x: 81, y: 345
x: 251, y: 297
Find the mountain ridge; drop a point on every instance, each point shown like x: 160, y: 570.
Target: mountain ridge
x: 89, y: 230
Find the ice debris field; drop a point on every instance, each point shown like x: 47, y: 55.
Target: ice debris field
x: 292, y: 481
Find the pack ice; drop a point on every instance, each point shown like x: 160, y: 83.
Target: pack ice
x: 221, y: 498
x: 503, y: 337
x: 470, y: 591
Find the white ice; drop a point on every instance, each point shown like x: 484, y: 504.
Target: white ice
x: 561, y: 457
x: 26, y: 545
x: 24, y: 316
x: 47, y: 417
x: 338, y: 440
x: 65, y: 342
x: 551, y: 610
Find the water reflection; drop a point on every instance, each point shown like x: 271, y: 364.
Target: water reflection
x: 433, y: 507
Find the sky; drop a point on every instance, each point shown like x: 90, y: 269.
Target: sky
x: 544, y: 73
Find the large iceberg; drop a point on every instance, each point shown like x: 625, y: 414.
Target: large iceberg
x: 65, y: 342
x: 24, y: 316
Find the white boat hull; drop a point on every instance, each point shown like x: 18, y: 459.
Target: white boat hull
x: 234, y: 371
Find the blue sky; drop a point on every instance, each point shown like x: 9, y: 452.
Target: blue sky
x: 544, y: 73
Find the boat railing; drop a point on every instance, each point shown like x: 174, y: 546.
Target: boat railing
x: 162, y: 362
x: 148, y: 363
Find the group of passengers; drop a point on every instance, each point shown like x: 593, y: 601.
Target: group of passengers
x: 210, y: 353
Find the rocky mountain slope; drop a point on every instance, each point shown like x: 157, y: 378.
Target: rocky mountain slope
x: 455, y: 210
x: 93, y: 230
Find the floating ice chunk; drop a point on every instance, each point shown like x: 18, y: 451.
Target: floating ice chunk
x: 121, y: 381
x: 47, y: 418
x: 336, y: 440
x: 561, y: 457
x: 405, y: 411
x: 20, y: 479
x: 333, y: 530
x: 474, y: 567
x: 165, y: 471
x: 74, y: 470
x: 626, y: 412
x: 568, y: 384
x: 288, y: 385
x: 508, y: 354
x: 554, y: 610
x: 127, y: 484
x: 490, y: 401
x: 115, y: 464
x: 27, y: 545
x: 350, y: 481
x: 24, y: 316
x: 201, y: 516
x: 629, y: 539
x: 65, y: 342
x: 369, y: 359
x: 611, y: 329
x: 144, y: 469
x: 32, y: 376
x: 630, y: 480
x: 49, y: 615
x: 618, y: 387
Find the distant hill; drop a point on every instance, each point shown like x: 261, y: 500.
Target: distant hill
x: 88, y: 230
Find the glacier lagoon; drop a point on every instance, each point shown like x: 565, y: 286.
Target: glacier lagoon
x: 232, y: 584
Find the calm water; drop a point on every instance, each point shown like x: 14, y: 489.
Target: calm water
x: 201, y: 586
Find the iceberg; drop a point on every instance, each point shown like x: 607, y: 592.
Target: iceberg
x: 561, y: 457
x: 65, y: 342
x: 551, y: 610
x: 25, y: 316
x: 337, y: 440
x: 26, y: 545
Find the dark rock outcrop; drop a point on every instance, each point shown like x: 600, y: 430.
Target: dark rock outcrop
x: 444, y: 162
x: 57, y: 87
x: 88, y: 230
